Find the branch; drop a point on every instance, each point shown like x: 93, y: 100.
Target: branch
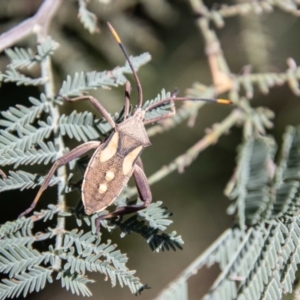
x: 38, y: 24
x: 193, y: 267
x: 191, y: 154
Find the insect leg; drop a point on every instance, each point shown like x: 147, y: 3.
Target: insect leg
x: 162, y: 117
x: 97, y: 105
x: 3, y: 174
x: 139, y: 163
x: 127, y: 99
x: 78, y: 151
x: 144, y: 193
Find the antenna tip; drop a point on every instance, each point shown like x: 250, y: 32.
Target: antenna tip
x: 114, y: 33
x: 224, y: 101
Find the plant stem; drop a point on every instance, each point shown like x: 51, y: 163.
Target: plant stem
x: 46, y: 72
x: 191, y: 154
x: 38, y: 24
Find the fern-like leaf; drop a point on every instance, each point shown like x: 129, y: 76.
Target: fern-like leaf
x: 156, y: 216
x: 21, y: 115
x: 251, y: 191
x: 88, y: 243
x: 23, y: 180
x: 28, y: 136
x: 11, y: 227
x: 157, y: 240
x: 78, y: 126
x: 12, y: 75
x: 76, y: 283
x: 46, y: 48
x: 16, y: 259
x: 21, y: 57
x: 160, y: 110
x: 47, y: 153
x: 27, y: 282
x: 92, y: 80
x: 89, y: 250
x: 87, y: 18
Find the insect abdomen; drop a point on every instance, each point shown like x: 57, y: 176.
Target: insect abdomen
x: 102, y: 184
x: 108, y: 173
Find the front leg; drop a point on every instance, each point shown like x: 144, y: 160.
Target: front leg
x: 167, y: 115
x: 144, y: 193
x: 78, y: 151
x: 97, y: 105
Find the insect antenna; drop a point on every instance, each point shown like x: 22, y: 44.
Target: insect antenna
x: 159, y: 103
x: 138, y: 83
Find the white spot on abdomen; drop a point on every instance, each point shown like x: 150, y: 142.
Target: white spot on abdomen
x: 102, y: 188
x: 109, y: 175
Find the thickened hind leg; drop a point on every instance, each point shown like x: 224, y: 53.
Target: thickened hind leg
x: 144, y: 193
x: 97, y: 105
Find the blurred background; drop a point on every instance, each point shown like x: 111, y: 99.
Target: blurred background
x: 167, y: 30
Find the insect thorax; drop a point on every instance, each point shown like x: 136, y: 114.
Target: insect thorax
x: 134, y: 128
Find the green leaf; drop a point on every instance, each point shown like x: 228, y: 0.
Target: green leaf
x: 27, y: 282
x: 92, y: 80
x: 21, y: 115
x: 87, y: 18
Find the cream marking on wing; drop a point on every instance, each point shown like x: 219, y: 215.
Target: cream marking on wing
x: 109, y: 175
x: 111, y: 149
x: 102, y: 188
x: 129, y: 160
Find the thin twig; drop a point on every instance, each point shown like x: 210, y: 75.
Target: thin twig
x: 190, y: 155
x: 183, y: 113
x: 46, y: 72
x: 218, y: 65
x: 38, y: 24
x: 193, y: 268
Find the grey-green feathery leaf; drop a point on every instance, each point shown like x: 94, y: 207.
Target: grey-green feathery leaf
x: 12, y: 75
x: 21, y: 57
x: 178, y: 291
x: 160, y: 110
x: 76, y: 283
x: 157, y: 240
x: 12, y: 234
x: 261, y: 261
x: 287, y: 175
x: 89, y: 250
x: 27, y: 282
x: 251, y: 191
x: 16, y: 239
x: 87, y: 18
x: 28, y: 135
x: 16, y: 259
x: 46, y: 154
x: 156, y: 216
x: 46, y: 48
x: 47, y: 214
x: 11, y: 227
x: 78, y: 126
x: 92, y: 80
x: 86, y: 243
x: 21, y: 115
x: 23, y: 180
